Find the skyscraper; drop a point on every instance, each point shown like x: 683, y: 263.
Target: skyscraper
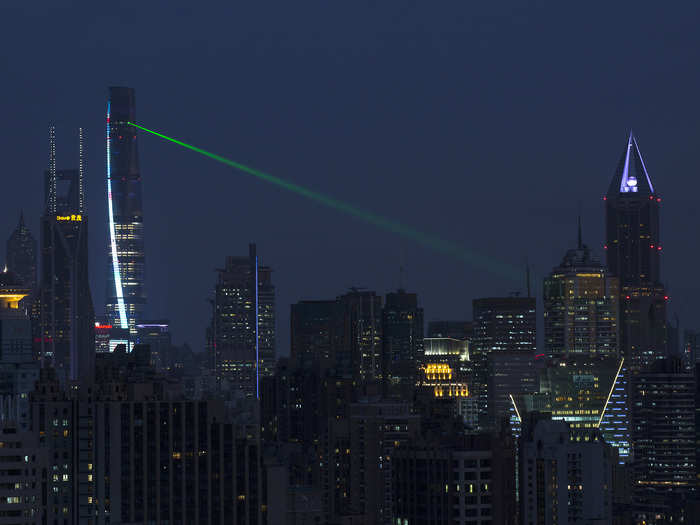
x: 664, y: 442
x: 67, y: 318
x: 360, y: 353
x: 500, y: 324
x: 315, y: 333
x: 402, y: 330
x: 21, y: 254
x: 633, y: 248
x: 563, y: 480
x: 243, y: 326
x: 580, y: 306
x: 126, y: 295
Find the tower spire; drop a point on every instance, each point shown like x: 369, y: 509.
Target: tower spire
x: 81, y: 172
x: 51, y: 204
x: 580, y: 243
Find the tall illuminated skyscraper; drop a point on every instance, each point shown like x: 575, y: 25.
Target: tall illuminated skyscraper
x: 580, y: 306
x: 633, y: 249
x: 67, y: 317
x: 126, y: 295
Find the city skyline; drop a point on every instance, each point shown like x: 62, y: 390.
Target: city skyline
x: 461, y: 156
x: 458, y: 304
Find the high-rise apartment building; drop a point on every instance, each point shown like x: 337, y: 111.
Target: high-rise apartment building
x: 21, y: 254
x: 580, y: 306
x: 460, y: 479
x: 315, y: 332
x: 664, y: 437
x: 504, y: 323
x: 123, y: 452
x: 67, y: 317
x: 500, y: 324
x: 633, y: 248
x: 126, y: 294
x: 402, y: 331
x: 360, y: 351
x: 242, y: 333
x: 563, y: 480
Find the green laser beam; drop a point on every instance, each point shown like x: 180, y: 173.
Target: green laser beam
x: 440, y: 245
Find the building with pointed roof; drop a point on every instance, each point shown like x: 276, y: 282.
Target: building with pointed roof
x: 633, y: 252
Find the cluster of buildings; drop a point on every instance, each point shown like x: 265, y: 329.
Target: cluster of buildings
x: 373, y: 418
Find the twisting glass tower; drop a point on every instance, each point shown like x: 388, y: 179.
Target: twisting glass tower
x: 126, y: 296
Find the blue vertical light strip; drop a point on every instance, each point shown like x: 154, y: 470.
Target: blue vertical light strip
x: 257, y: 335
x: 112, y: 236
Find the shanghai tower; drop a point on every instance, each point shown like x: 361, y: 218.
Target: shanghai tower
x: 126, y: 297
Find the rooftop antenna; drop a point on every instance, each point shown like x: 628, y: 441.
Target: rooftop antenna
x: 580, y: 243
x: 527, y: 276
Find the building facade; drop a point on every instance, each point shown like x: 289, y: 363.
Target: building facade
x: 581, y: 304
x: 563, y: 480
x: 21, y: 254
x: 633, y: 249
x: 126, y: 294
x: 66, y: 338
x: 242, y: 333
x: 455, y: 479
x: 500, y: 324
x: 402, y: 331
x: 664, y: 437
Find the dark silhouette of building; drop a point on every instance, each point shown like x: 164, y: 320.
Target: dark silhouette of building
x: 67, y: 317
x: 664, y: 437
x: 581, y: 304
x: 18, y: 369
x: 242, y: 333
x: 452, y: 477
x: 126, y: 294
x: 126, y: 451
x: 315, y: 334
x: 451, y: 329
x: 21, y: 254
x: 156, y: 334
x: 633, y: 248
x: 563, y: 479
x: 402, y: 331
x: 360, y: 351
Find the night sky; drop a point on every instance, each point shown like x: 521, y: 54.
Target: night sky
x: 486, y: 124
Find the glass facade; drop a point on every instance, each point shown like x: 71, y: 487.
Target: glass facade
x: 126, y: 296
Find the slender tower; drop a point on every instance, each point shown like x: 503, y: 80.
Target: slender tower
x: 126, y: 296
x: 633, y: 252
x: 66, y: 315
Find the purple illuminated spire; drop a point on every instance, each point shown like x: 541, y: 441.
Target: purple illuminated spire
x: 631, y: 176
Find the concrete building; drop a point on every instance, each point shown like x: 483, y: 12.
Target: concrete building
x: 564, y: 478
x: 456, y: 478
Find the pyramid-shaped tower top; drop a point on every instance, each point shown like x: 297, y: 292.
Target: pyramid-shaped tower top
x: 631, y: 176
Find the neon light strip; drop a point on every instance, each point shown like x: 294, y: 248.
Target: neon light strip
x: 610, y: 393
x: 257, y: 337
x: 113, y: 238
x: 517, y: 413
x: 625, y: 171
x: 643, y: 166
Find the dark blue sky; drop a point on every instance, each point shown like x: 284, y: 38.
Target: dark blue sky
x: 487, y: 124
